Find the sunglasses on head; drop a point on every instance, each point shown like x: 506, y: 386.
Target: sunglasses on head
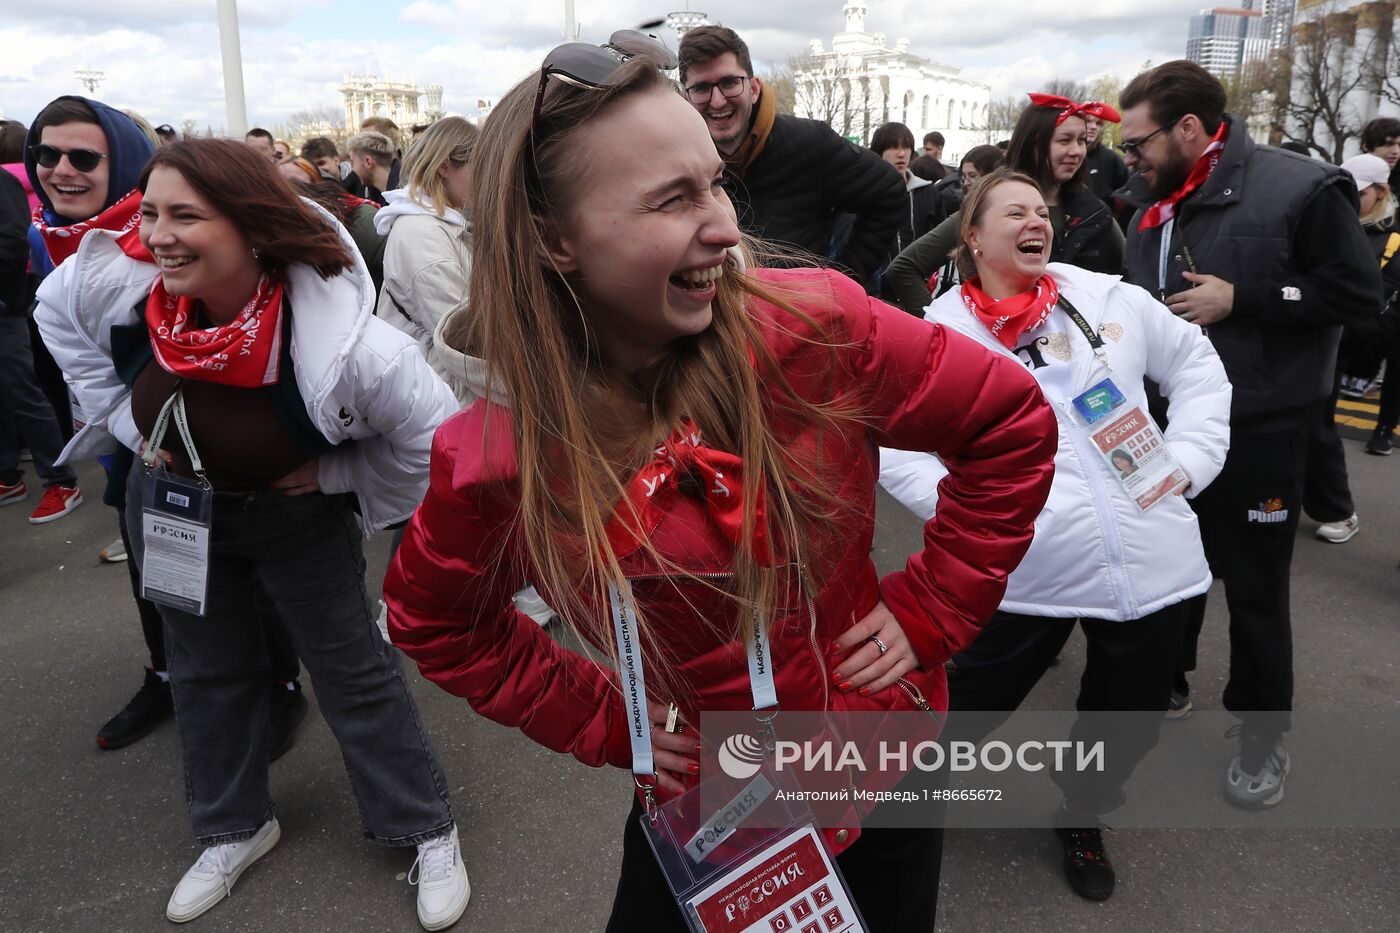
x: 82, y: 160
x: 592, y: 67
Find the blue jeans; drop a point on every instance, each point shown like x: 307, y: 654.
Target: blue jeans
x: 306, y: 553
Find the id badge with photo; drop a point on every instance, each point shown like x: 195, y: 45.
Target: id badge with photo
x: 176, y: 522
x: 1139, y: 458
x: 731, y: 878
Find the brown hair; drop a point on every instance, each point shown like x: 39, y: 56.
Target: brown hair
x: 382, y: 125
x: 12, y: 136
x: 248, y: 189
x: 579, y: 428
x: 974, y: 208
x: 1377, y: 131
x: 1173, y: 90
x: 318, y: 147
x: 1029, y: 152
x: 706, y: 43
x: 64, y: 110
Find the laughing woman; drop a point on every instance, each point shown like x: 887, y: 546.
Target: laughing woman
x: 1116, y: 550
x: 1049, y: 144
x: 296, y: 408
x: 663, y: 430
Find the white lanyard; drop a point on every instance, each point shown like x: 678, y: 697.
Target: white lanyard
x: 634, y: 688
x: 175, y: 403
x: 1162, y: 256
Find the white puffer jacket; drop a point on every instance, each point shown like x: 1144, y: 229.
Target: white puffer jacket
x: 1095, y: 554
x: 366, y: 386
x: 427, y: 266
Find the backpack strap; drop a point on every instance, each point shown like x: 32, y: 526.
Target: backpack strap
x: 1392, y: 245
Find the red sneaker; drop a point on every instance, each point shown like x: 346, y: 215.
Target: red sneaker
x: 10, y: 493
x: 58, y: 501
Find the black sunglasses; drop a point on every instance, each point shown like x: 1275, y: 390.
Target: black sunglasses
x: 591, y: 67
x: 1134, y: 149
x: 82, y: 160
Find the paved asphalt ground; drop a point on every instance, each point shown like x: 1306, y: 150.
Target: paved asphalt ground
x: 93, y: 841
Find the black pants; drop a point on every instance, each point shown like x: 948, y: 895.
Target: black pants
x: 1248, y: 518
x: 1128, y: 667
x: 892, y: 874
x: 26, y: 417
x: 1326, y: 489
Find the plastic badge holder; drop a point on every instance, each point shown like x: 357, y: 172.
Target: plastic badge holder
x: 176, y: 518
x: 729, y: 877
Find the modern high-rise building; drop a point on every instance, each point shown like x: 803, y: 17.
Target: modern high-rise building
x: 1222, y: 39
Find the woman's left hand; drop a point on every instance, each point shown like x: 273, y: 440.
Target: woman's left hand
x: 865, y: 668
x: 300, y: 481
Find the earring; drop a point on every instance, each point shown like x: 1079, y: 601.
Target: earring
x: 977, y: 252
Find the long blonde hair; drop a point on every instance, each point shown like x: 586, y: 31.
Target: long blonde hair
x: 580, y: 429
x: 450, y: 139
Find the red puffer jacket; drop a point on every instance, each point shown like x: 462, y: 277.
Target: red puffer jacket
x: 923, y: 388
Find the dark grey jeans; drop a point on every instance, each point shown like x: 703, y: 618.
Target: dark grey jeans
x: 306, y: 552
x: 26, y: 417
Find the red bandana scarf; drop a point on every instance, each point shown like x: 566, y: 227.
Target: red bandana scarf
x: 1009, y: 318
x: 1069, y: 108
x: 656, y: 485
x: 244, y: 353
x: 123, y: 218
x: 1165, y: 209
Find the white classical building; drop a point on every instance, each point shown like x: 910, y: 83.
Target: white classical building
x: 1357, y: 38
x: 367, y: 96
x: 861, y: 83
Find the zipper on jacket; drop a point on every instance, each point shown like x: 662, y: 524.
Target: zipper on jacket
x: 918, y: 699
x: 1107, y: 524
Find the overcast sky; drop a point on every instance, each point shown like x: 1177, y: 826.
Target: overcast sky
x: 161, y: 57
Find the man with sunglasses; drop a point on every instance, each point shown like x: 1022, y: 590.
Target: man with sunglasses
x: 789, y: 177
x: 1262, y: 249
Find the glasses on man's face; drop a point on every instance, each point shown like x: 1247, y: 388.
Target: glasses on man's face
x: 1134, y: 148
x: 82, y: 160
x: 729, y: 86
x: 592, y: 67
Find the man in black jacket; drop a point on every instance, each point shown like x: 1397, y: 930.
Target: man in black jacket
x: 1107, y: 173
x: 1262, y: 249
x: 789, y: 177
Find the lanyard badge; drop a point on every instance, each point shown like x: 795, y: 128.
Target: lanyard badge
x: 727, y: 877
x: 176, y: 521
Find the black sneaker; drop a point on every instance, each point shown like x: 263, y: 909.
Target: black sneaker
x: 1379, y: 443
x: 150, y: 707
x: 1087, y: 868
x: 286, y: 708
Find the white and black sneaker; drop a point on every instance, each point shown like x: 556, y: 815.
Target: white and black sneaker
x: 1255, y: 778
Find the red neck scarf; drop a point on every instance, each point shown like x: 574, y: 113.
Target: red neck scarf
x: 656, y: 485
x: 244, y: 353
x: 1165, y: 209
x: 123, y: 218
x: 1009, y: 318
x: 1069, y: 108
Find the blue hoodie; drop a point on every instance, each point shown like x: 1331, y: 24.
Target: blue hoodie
x: 128, y: 151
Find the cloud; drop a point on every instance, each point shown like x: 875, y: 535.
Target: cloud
x: 162, y: 58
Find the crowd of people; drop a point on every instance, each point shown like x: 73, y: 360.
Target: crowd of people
x: 637, y: 352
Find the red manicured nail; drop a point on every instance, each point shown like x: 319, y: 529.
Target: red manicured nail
x: 845, y: 686
x: 693, y: 767
x: 836, y: 678
x: 699, y: 749
x: 864, y: 691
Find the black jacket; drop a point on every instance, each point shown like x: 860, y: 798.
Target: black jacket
x: 16, y: 292
x: 1282, y: 228
x: 1089, y: 239
x: 1107, y: 173
x: 803, y: 178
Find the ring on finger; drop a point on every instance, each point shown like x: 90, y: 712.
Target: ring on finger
x: 879, y: 644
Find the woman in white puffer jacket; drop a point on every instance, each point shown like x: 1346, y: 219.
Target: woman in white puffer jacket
x: 427, y: 260
x: 1117, y: 549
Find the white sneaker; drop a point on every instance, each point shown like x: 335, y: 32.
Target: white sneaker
x: 1339, y: 532
x: 382, y: 622
x: 530, y: 602
x: 213, y: 876
x: 113, y: 553
x: 443, y: 889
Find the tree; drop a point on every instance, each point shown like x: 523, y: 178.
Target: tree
x: 779, y: 82
x: 1001, y: 117
x: 1074, y: 90
x: 851, y: 100
x: 188, y: 128
x: 1333, y: 74
x: 1107, y: 88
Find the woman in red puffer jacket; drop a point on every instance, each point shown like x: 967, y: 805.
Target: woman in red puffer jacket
x: 705, y: 438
